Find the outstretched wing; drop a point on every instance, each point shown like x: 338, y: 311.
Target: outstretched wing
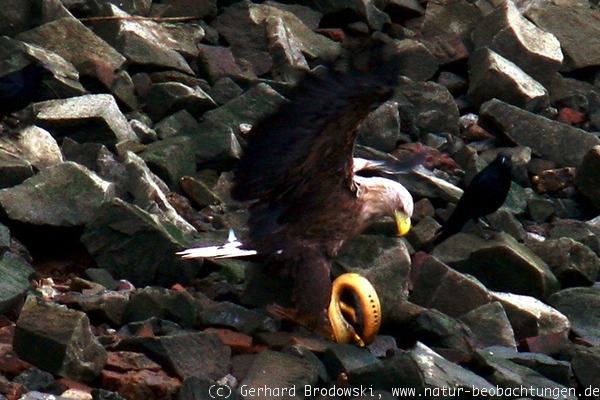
x: 298, y: 161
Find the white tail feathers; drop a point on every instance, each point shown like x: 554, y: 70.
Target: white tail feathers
x: 231, y: 249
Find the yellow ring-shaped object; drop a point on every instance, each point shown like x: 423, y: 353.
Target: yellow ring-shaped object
x: 369, y: 307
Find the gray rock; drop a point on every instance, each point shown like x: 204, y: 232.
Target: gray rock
x: 215, y: 62
x: 63, y: 195
x: 397, y: 370
x: 101, y: 394
x: 445, y: 376
x: 102, y: 277
x: 24, y: 15
x: 421, y: 182
x: 181, y: 122
x: 236, y: 317
x: 185, y: 8
x: 13, y: 169
x: 384, y: 261
x: 289, y: 63
x: 96, y: 157
x: 580, y: 305
x: 500, y: 263
x: 418, y: 63
x: 90, y: 118
x: 77, y: 44
x: 540, y: 209
x: 171, y: 158
x: 587, y: 179
x: 144, y: 133
x: 35, y: 379
x: 135, y: 245
x: 381, y: 128
x: 198, y: 192
x: 256, y: 103
x: 586, y: 362
x: 555, y: 370
x: 435, y: 285
x: 458, y: 18
x: 107, y: 306
x: 178, y: 307
x: 430, y: 105
x: 14, y: 280
x: 511, y: 35
x: 547, y: 139
x: 278, y: 371
x: 573, y: 263
x: 144, y: 43
x: 556, y: 18
x: 185, y: 38
x: 583, y: 232
x: 34, y: 145
x: 148, y: 192
x: 72, y: 351
x: 123, y: 89
x: 490, y: 326
x: 423, y: 232
x: 441, y: 331
x: 63, y: 79
x: 138, y: 7
x: 169, y: 97
x: 530, y: 317
x: 367, y: 9
x: 243, y: 27
x: 505, y: 221
x: 493, y: 76
x: 348, y: 358
x: 509, y: 375
x: 224, y: 90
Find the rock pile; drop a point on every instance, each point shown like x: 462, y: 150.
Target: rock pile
x: 123, y: 156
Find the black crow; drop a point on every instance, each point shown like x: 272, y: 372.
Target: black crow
x: 483, y: 196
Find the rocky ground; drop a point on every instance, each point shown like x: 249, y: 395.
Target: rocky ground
x: 125, y: 157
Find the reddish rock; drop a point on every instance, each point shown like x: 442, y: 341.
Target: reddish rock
x: 547, y: 344
x: 236, y: 340
x: 178, y: 288
x: 10, y: 363
x: 433, y: 157
x: 74, y: 385
x: 553, y: 180
x: 218, y: 62
x: 141, y: 385
x: 333, y: 33
x: 12, y: 391
x: 569, y: 116
x: 128, y: 361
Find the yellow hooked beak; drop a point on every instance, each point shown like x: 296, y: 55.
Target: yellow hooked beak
x: 402, y: 222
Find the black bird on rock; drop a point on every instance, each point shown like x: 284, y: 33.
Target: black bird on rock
x: 19, y: 88
x: 484, y: 195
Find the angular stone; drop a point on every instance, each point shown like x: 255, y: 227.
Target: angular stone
x: 573, y: 263
x: 585, y: 363
x: 243, y: 27
x: 508, y: 374
x: 583, y: 232
x: 166, y: 98
x: 35, y: 145
x: 144, y: 43
x: 345, y: 358
x: 181, y: 122
x: 89, y: 118
x: 366, y: 9
x: 385, y: 262
x: 441, y: 331
x: 186, y: 8
x: 587, y: 179
x: 548, y: 139
x: 37, y: 380
x: 490, y: 326
x: 256, y: 103
x: 77, y: 44
x: 215, y: 62
x: 62, y: 79
x: 423, y: 232
x: 493, y: 76
x: 435, y: 285
x: 13, y: 170
x: 555, y: 370
x: 278, y: 371
x: 431, y: 107
x: 178, y: 307
x: 144, y: 384
x: 511, y: 35
x: 23, y: 15
x: 198, y: 192
x: 418, y: 62
x: 439, y: 373
x: 455, y: 18
x: 171, y: 158
x: 72, y: 350
x: 505, y: 221
x: 580, y: 305
x: 559, y: 19
x: 231, y: 315
x: 500, y: 264
x: 133, y: 244
x: 107, y: 306
x: 530, y: 317
x: 553, y: 180
x: 381, y: 128
x: 14, y: 280
x: 224, y: 90
x: 66, y: 194
x: 289, y: 63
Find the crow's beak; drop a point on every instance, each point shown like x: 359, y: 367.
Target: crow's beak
x: 402, y: 222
